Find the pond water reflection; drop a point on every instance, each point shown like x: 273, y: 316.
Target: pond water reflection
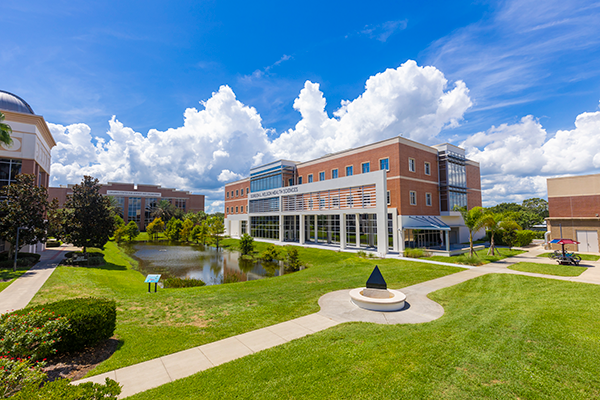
x: 200, y: 262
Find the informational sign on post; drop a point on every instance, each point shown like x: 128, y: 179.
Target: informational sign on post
x: 150, y: 279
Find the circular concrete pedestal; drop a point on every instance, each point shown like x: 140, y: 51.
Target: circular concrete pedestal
x: 394, y: 303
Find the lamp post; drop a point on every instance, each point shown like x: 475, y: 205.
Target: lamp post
x: 16, y: 250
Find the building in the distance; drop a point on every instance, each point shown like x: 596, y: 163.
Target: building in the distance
x: 30, y: 150
x: 574, y: 210
x: 137, y: 202
x: 387, y: 195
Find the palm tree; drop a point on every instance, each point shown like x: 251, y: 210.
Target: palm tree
x: 493, y: 223
x: 164, y: 210
x: 473, y: 221
x: 5, y: 131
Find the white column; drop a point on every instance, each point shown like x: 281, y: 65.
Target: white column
x: 400, y: 234
x: 329, y: 229
x: 316, y: 229
x: 357, y: 229
x: 281, y: 238
x: 342, y: 231
x: 447, y: 240
x: 395, y: 231
x: 302, y: 232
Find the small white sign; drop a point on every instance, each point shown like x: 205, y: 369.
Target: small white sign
x: 131, y: 194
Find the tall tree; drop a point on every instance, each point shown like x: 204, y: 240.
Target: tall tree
x: 155, y: 227
x: 164, y: 210
x: 493, y: 223
x: 186, y: 231
x: 91, y: 222
x: 5, y: 131
x: 472, y: 219
x: 55, y: 216
x: 537, y: 206
x: 216, y: 228
x: 23, y: 206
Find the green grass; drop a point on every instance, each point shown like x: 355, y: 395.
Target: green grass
x: 7, y: 276
x: 548, y: 269
x: 153, y: 325
x: 584, y: 257
x: 501, y: 337
x: 481, y: 255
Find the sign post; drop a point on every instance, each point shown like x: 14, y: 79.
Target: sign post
x: 150, y: 279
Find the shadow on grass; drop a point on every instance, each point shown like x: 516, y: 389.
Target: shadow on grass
x: 105, y: 266
x: 7, y: 274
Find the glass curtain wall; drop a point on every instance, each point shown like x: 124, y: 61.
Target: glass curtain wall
x: 135, y: 211
x: 266, y: 227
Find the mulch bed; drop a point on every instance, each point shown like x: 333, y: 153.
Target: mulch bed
x: 74, y: 366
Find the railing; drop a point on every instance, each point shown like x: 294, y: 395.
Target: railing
x: 337, y: 199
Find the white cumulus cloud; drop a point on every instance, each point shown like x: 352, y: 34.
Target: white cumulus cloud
x: 224, y: 139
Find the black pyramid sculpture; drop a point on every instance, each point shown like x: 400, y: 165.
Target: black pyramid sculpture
x: 376, y: 280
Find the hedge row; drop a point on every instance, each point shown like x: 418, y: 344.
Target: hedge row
x: 92, y: 320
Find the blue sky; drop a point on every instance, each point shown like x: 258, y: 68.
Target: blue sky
x: 517, y: 76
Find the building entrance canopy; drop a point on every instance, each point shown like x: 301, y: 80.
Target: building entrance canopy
x: 423, y: 222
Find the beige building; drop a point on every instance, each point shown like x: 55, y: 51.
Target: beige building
x: 574, y: 207
x: 30, y: 150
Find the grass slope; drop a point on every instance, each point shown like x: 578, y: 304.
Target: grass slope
x: 7, y: 276
x: 152, y: 325
x: 501, y: 254
x: 548, y: 269
x: 501, y: 337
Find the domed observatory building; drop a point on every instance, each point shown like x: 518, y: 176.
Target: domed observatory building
x: 30, y: 151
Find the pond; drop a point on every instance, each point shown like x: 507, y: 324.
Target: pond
x: 199, y: 262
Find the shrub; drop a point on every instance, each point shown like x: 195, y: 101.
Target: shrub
x: 61, y: 389
x: 524, y: 238
x: 246, y: 244
x: 415, y: 253
x: 468, y: 260
x: 293, y: 259
x: 361, y: 254
x: 34, y: 334
x: 18, y: 373
x: 23, y: 260
x: 182, y: 282
x: 91, y: 320
x: 270, y: 254
x: 22, y: 254
x: 93, y: 258
x: 53, y: 243
x: 232, y: 277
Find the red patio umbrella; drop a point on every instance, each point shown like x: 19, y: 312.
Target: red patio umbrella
x: 562, y: 242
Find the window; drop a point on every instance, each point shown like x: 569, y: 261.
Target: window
x: 349, y: 201
x: 227, y: 210
x: 299, y: 180
x: 291, y: 182
x: 237, y: 209
x: 427, y: 168
x: 349, y: 171
x: 334, y: 173
x: 310, y: 178
x: 321, y: 176
x: 134, y: 212
x: 242, y: 209
x: 388, y: 198
x: 247, y: 189
x: 180, y: 203
x: 227, y: 194
x: 428, y: 199
x: 411, y: 164
x: 232, y: 193
x: 366, y: 167
x: 335, y: 202
x: 321, y: 202
x: 384, y: 164
x: 266, y: 227
x: 237, y: 193
x: 413, y: 198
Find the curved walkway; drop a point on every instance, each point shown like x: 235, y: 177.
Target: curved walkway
x: 19, y: 293
x: 336, y: 308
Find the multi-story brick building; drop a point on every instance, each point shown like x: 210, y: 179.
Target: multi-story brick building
x: 30, y: 150
x: 137, y: 202
x: 397, y: 186
x: 574, y: 211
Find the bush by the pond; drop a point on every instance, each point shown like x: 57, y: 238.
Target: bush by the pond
x: 34, y: 334
x: 91, y: 321
x: 170, y: 283
x: 270, y: 254
x: 293, y: 259
x: 246, y: 244
x: 62, y: 389
x: 415, y: 253
x: 232, y: 277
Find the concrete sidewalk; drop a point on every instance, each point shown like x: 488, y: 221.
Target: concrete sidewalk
x: 21, y: 291
x: 336, y: 308
x: 153, y: 373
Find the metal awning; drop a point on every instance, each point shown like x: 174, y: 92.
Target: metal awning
x: 424, y: 222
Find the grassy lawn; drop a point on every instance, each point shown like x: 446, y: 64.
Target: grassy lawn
x: 584, y: 257
x: 501, y: 337
x: 549, y: 269
x: 481, y: 255
x: 7, y: 276
x: 152, y: 325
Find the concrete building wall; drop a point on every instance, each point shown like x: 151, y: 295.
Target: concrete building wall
x: 574, y: 208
